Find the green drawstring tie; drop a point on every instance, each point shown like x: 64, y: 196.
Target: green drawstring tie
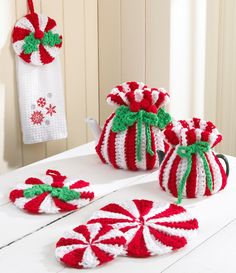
x: 64, y: 193
x: 199, y: 147
x: 125, y: 118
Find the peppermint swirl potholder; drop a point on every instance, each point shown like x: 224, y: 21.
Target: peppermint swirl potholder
x: 89, y: 246
x: 55, y: 193
x: 36, y: 39
x: 150, y: 228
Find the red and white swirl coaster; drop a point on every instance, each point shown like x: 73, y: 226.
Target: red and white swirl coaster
x: 150, y: 228
x: 89, y: 246
x: 52, y: 194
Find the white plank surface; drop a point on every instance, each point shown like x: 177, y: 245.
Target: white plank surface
x: 35, y: 251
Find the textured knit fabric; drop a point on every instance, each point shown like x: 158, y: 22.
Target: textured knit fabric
x: 150, y: 228
x: 36, y: 39
x: 201, y: 167
x: 89, y: 246
x: 132, y: 135
x: 51, y: 194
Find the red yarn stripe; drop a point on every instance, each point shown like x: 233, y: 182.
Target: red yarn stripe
x: 74, y: 258
x: 63, y: 206
x: 101, y: 140
x: 111, y: 148
x: 109, y: 221
x: 33, y: 181
x: 83, y: 229
x: 19, y: 34
x: 101, y: 255
x: 34, y: 20
x: 34, y: 204
x: 192, y: 179
x: 189, y: 225
x: 171, y: 137
x: 218, y: 139
x: 116, y: 99
x: 163, y: 166
x: 87, y: 195
x: 45, y: 57
x: 103, y: 230
x: 196, y: 122
x: 15, y: 194
x: 222, y: 171
x: 133, y: 85
x: 25, y: 57
x: 172, y: 210
x: 207, y: 191
x: 173, y: 241
x: 127, y: 228
x: 151, y: 159
x: 191, y: 137
x: 137, y: 246
x: 114, y: 241
x: 50, y: 24
x: 143, y: 206
x: 172, y: 185
x: 69, y: 241
x: 160, y: 99
x: 118, y: 209
x: 79, y: 184
x: 130, y: 148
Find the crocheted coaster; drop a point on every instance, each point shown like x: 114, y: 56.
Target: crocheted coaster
x: 89, y: 246
x: 36, y: 39
x: 55, y: 193
x: 149, y: 228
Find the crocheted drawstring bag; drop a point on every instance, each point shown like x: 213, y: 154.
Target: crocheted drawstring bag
x: 191, y: 168
x: 131, y: 137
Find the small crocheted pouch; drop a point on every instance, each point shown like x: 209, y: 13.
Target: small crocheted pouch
x: 89, y: 246
x: 132, y: 137
x: 150, y: 228
x: 52, y: 194
x: 191, y: 168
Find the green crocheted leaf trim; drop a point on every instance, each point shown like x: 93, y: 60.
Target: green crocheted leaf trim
x: 32, y: 44
x: 64, y: 193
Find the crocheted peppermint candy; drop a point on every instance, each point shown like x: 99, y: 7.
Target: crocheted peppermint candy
x: 52, y: 194
x: 191, y: 168
x: 36, y: 39
x: 150, y: 228
x: 131, y: 137
x: 89, y: 246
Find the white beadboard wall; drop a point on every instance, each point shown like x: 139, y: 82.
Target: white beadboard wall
x: 107, y: 42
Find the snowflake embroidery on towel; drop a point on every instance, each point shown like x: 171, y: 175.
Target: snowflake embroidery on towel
x: 37, y: 118
x: 41, y: 102
x: 51, y: 110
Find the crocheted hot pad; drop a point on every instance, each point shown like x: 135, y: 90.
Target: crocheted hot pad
x: 89, y: 246
x: 149, y: 228
x: 55, y: 193
x: 36, y: 39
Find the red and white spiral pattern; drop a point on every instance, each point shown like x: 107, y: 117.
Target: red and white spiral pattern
x: 27, y: 25
x: 137, y: 94
x: 89, y: 246
x: 172, y: 169
x: 150, y: 228
x: 45, y: 203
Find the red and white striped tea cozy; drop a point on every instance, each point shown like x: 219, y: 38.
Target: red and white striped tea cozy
x: 191, y: 168
x: 89, y: 246
x: 36, y: 39
x: 52, y: 194
x: 150, y: 228
x: 131, y: 137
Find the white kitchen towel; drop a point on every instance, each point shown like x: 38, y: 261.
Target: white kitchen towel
x: 41, y: 101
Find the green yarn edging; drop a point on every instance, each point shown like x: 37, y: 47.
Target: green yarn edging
x: 64, y: 193
x: 125, y: 118
x: 199, y: 147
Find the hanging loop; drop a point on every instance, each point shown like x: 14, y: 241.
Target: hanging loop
x: 31, y: 6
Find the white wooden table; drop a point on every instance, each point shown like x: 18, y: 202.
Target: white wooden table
x: 27, y: 242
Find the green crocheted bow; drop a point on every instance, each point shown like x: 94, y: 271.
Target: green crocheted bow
x: 64, y: 193
x: 200, y: 147
x: 125, y: 118
x: 49, y: 39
